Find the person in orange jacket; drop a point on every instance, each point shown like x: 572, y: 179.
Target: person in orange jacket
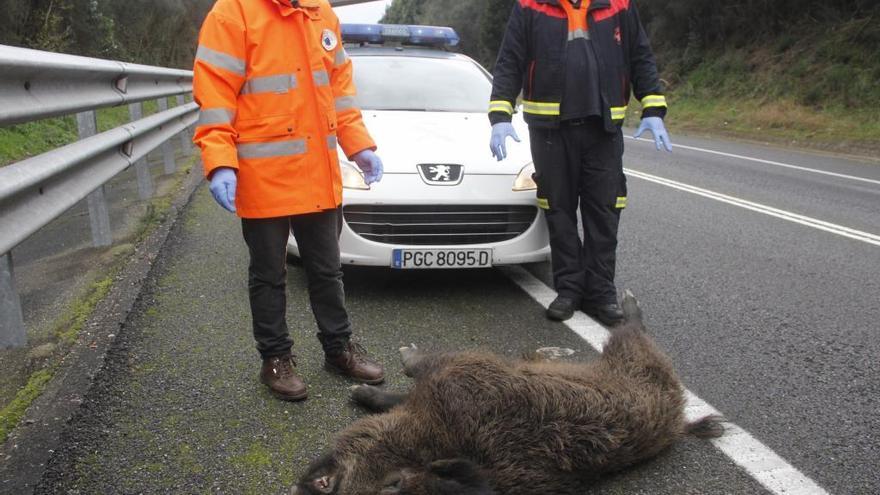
x: 277, y: 98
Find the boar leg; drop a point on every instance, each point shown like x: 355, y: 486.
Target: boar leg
x: 417, y: 364
x: 375, y: 399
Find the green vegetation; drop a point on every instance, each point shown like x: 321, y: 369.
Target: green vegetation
x: 480, y: 24
x: 31, y: 139
x: 256, y: 460
x: 67, y: 327
x: 34, y: 138
x: 80, y: 311
x: 798, y: 80
x: 802, y: 71
x: 144, y: 31
x: 13, y: 412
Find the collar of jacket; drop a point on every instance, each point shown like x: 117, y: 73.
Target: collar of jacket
x: 310, y: 7
x: 594, y: 4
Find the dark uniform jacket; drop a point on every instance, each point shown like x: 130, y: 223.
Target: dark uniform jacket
x: 533, y: 54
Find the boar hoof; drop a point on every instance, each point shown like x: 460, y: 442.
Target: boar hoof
x: 407, y: 354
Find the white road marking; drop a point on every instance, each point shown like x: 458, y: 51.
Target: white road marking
x: 767, y: 210
x: 767, y: 162
x: 758, y: 460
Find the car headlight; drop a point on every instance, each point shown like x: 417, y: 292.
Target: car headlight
x: 352, y: 177
x: 524, y: 181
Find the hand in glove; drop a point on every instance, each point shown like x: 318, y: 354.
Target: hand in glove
x: 371, y: 165
x: 500, y: 132
x: 223, y: 182
x: 655, y: 125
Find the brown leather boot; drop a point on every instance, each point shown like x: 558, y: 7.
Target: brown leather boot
x: 277, y: 374
x: 354, y: 363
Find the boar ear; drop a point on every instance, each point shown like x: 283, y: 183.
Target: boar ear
x: 324, y: 484
x: 463, y: 475
x: 321, y: 477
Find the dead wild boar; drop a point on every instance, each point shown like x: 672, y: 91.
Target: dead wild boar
x: 478, y: 424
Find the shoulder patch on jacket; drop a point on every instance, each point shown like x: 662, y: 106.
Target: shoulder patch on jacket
x: 329, y: 40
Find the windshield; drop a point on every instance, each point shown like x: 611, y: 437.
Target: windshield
x: 420, y: 84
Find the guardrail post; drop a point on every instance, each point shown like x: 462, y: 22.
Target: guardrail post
x: 99, y: 215
x: 141, y: 167
x: 185, y: 135
x: 167, y: 148
x: 12, y: 331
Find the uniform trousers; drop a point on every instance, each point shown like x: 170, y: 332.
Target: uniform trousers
x: 580, y: 165
x: 317, y: 235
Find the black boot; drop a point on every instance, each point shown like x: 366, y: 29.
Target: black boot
x: 609, y: 314
x: 561, y: 309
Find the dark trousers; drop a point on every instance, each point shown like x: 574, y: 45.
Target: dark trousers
x: 317, y: 236
x: 581, y: 164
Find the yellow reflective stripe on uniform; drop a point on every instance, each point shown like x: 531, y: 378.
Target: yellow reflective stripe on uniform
x: 501, y: 106
x: 345, y: 103
x: 618, y: 113
x: 221, y: 60
x: 321, y: 78
x: 654, y: 101
x: 279, y: 84
x: 270, y: 150
x: 214, y: 116
x: 332, y: 142
x: 543, y: 204
x: 341, y: 56
x: 540, y: 108
x: 621, y: 202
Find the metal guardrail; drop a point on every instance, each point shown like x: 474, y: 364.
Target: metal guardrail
x: 35, y: 85
x: 343, y: 3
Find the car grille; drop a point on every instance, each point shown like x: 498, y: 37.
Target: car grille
x: 445, y: 225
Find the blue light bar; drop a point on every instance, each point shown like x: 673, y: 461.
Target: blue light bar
x: 410, y: 35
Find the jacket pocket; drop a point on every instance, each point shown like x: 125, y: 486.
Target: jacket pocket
x: 265, y: 128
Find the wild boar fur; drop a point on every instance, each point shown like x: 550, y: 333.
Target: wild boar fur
x: 478, y: 424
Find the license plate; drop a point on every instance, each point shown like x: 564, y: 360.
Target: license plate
x: 441, y: 258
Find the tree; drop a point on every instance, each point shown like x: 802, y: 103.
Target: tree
x: 404, y: 12
x: 492, y: 28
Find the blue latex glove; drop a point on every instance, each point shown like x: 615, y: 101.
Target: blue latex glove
x: 223, y: 182
x: 500, y: 132
x: 370, y: 163
x: 655, y: 125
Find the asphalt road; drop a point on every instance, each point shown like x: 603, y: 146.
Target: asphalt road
x: 772, y: 322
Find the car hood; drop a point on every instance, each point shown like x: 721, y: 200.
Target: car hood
x: 406, y: 139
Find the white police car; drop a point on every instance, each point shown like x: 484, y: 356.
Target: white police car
x: 444, y: 201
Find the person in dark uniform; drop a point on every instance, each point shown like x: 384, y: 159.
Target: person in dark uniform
x: 575, y: 62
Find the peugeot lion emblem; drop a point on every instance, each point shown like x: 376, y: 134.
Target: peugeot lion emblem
x: 440, y: 174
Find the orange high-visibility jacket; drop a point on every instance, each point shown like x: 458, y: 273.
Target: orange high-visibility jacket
x: 276, y: 94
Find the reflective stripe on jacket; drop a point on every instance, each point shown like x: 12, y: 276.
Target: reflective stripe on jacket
x: 532, y: 59
x: 276, y: 94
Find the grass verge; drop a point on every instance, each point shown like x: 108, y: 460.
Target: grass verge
x: 803, y: 87
x: 69, y: 325
x: 780, y: 122
x: 14, y: 411
x: 33, y: 138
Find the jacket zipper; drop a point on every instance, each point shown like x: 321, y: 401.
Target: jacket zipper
x: 606, y: 107
x: 305, y: 19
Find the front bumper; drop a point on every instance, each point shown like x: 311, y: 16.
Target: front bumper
x: 409, y: 189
